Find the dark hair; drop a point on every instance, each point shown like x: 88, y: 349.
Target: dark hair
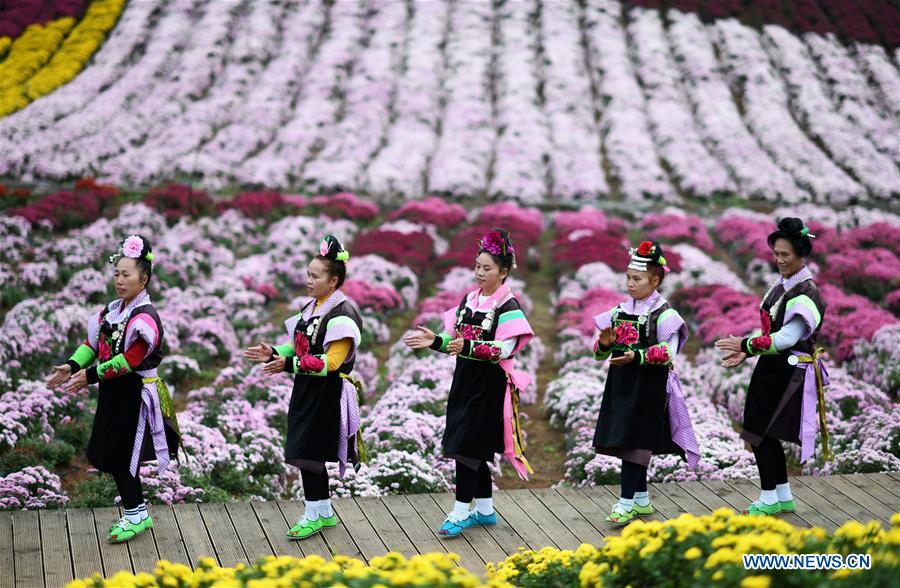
x: 654, y: 267
x: 336, y: 268
x: 505, y: 261
x: 144, y: 265
x: 792, y: 230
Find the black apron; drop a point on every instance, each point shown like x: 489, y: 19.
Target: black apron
x: 775, y: 395
x: 119, y: 404
x: 314, y: 415
x: 475, y: 405
x: 634, y: 409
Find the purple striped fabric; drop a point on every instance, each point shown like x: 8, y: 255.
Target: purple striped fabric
x: 669, y: 326
x: 338, y: 332
x: 349, y: 422
x: 804, y: 312
x: 809, y: 416
x: 150, y: 414
x: 93, y: 329
x: 680, y: 421
x: 142, y: 326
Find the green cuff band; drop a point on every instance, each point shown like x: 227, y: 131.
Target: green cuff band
x: 284, y: 350
x: 83, y: 356
x: 114, y: 368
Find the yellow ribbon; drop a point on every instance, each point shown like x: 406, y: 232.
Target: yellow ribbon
x: 820, y: 393
x: 167, y: 408
x: 518, y: 444
x: 361, y: 454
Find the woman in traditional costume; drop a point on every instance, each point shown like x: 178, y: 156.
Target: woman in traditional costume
x: 788, y: 381
x: 485, y: 332
x: 134, y: 420
x: 643, y: 412
x: 323, y: 418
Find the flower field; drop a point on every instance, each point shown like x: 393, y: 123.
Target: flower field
x: 219, y: 288
x: 560, y: 102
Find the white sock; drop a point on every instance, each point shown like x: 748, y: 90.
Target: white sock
x: 642, y: 498
x: 142, y: 508
x: 312, y: 510
x: 768, y: 497
x: 325, y: 508
x: 784, y: 492
x: 133, y: 515
x: 484, y: 506
x: 460, y: 508
x: 627, y: 503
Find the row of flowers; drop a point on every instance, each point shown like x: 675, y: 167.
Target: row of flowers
x: 47, y: 56
x: 689, y: 550
x: 497, y: 100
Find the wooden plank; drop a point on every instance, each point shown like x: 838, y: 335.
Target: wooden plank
x: 680, y: 497
x: 386, y: 526
x: 751, y: 491
x: 114, y: 555
x: 312, y: 545
x: 888, y: 483
x: 144, y: 554
x: 193, y: 531
x: 418, y: 532
x: 839, y: 500
x: 368, y: 541
x: 568, y: 516
x: 545, y: 519
x: 84, y: 542
x: 878, y: 488
x: 7, y: 561
x: 58, y: 569
x: 894, y: 475
x: 817, y: 508
x: 432, y: 514
x: 734, y: 499
x: 169, y: 543
x: 873, y: 506
x: 225, y: 540
x: 518, y: 519
x: 274, y: 525
x: 587, y: 508
x: 27, y: 548
x: 250, y: 533
x: 704, y: 495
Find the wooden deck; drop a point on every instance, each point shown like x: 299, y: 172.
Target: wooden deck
x: 50, y: 547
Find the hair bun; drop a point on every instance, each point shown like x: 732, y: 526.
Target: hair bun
x: 332, y: 248
x: 792, y: 226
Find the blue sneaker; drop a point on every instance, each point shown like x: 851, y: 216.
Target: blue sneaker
x: 453, y: 525
x: 476, y: 518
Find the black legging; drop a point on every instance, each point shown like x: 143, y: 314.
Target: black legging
x: 129, y: 489
x: 472, y: 483
x: 771, y: 463
x: 634, y: 478
x: 315, y: 485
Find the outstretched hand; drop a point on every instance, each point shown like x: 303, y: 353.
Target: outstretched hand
x: 61, y: 374
x: 420, y: 339
x: 259, y: 353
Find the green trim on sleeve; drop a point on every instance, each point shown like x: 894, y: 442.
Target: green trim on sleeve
x: 284, y: 350
x: 808, y: 303
x: 510, y: 315
x: 83, y: 356
x: 666, y: 314
x: 347, y: 322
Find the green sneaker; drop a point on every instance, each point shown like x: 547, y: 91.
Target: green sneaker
x: 643, y: 510
x: 619, y: 516
x: 788, y: 506
x: 328, y: 521
x: 305, y: 528
x: 758, y: 509
x: 125, y: 530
